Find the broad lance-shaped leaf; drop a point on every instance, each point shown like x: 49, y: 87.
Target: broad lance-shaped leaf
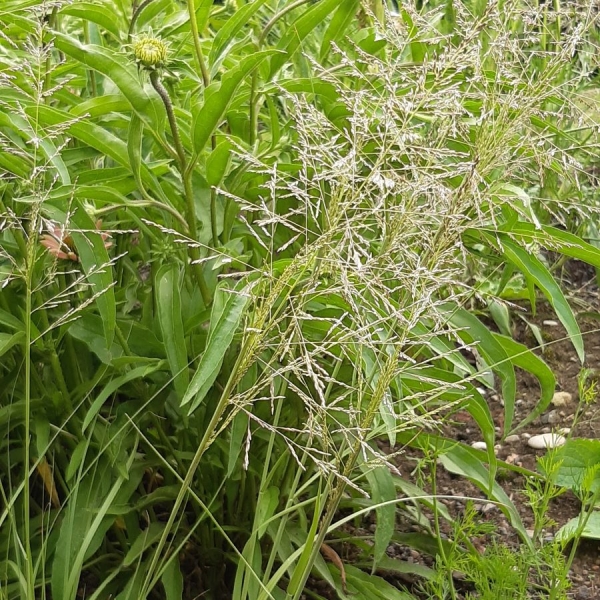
x: 121, y: 71
x: 114, y: 385
x: 534, y: 270
x: 226, y: 34
x: 456, y: 390
x: 168, y: 303
x: 218, y: 96
x: 557, y: 240
x: 382, y: 491
x: 341, y: 19
x: 524, y: 358
x: 99, y: 138
x: 217, y: 345
x: 95, y: 13
x: 297, y: 31
x: 472, y: 329
x: 463, y: 461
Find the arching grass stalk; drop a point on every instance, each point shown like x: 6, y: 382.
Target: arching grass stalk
x: 311, y: 550
x: 267, y: 312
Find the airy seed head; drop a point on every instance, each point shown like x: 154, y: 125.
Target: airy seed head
x: 150, y: 52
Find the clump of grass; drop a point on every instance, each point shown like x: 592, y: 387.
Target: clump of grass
x: 291, y: 223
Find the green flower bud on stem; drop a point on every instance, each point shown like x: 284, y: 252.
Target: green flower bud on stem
x: 150, y: 52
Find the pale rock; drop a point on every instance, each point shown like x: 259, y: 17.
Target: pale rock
x: 562, y: 399
x: 546, y: 440
x: 511, y: 439
x: 550, y: 323
x: 479, y: 445
x: 525, y: 435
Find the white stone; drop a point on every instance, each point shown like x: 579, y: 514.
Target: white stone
x: 550, y: 323
x: 546, y: 440
x: 479, y: 445
x: 511, y: 439
x: 562, y: 399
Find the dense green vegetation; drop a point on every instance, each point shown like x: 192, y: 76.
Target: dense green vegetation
x: 242, y: 243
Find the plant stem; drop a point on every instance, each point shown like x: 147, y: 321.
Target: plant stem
x: 196, y: 39
x: 186, y: 176
x: 134, y: 17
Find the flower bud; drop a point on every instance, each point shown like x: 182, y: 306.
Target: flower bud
x: 150, y: 52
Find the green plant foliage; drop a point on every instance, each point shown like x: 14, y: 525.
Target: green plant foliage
x: 248, y: 251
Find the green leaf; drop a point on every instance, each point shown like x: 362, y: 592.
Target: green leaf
x: 168, y: 304
x: 557, y: 240
x: 218, y: 343
x: 218, y: 162
x: 362, y: 586
x: 298, y: 31
x: 382, y: 488
x: 121, y: 72
x: 463, y: 461
x: 7, y: 341
x: 342, y: 17
x: 578, y: 466
x: 572, y: 529
x: 85, y: 522
x: 89, y: 330
x: 96, y: 13
x: 134, y: 148
x: 268, y: 500
x: 226, y: 35
x: 113, y: 386
x: 535, y: 271
x: 142, y: 542
x: 208, y: 115
x: 172, y: 580
x: 472, y: 329
x: 96, y: 107
x: 26, y: 128
x: 525, y: 359
x: 239, y: 428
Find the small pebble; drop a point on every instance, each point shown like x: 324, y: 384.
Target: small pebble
x: 479, y: 445
x: 525, y: 436
x: 564, y: 430
x: 552, y: 418
x: 562, y: 399
x: 546, y: 440
x: 550, y: 323
x: 511, y: 439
